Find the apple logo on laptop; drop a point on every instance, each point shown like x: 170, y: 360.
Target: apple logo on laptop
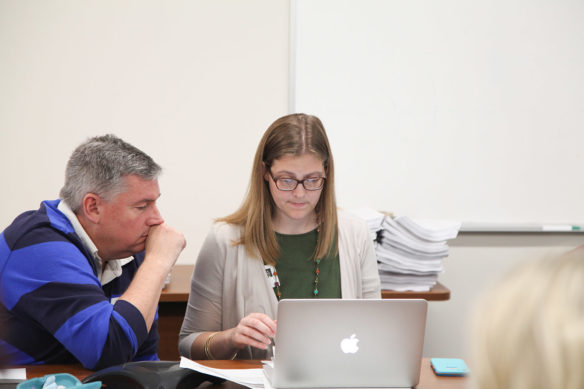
x: 349, y: 345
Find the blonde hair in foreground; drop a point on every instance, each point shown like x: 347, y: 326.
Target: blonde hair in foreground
x: 295, y: 134
x: 528, y: 333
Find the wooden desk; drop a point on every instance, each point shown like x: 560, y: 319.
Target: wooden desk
x: 180, y: 284
x: 438, y: 293
x: 171, y: 311
x: 428, y: 380
x: 173, y: 304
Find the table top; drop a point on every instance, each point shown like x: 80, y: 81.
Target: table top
x: 428, y: 380
x: 437, y: 293
x: 180, y: 285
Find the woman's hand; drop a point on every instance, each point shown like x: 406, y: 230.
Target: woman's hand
x: 256, y: 330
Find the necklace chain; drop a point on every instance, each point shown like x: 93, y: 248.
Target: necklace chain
x: 316, y: 274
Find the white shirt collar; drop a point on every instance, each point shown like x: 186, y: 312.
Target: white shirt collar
x: 113, y: 267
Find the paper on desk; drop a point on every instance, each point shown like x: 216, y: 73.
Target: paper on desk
x: 252, y: 378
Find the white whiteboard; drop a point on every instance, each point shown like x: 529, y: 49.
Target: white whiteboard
x: 449, y: 109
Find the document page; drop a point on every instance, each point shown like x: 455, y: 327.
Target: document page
x: 252, y: 378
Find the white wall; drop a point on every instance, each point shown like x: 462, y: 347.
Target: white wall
x: 476, y: 262
x: 195, y: 84
x: 192, y: 83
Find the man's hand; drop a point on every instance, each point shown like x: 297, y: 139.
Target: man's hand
x: 163, y: 245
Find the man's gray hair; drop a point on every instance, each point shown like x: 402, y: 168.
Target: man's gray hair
x: 99, y: 165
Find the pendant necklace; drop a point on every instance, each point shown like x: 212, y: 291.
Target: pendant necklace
x: 276, y: 279
x: 316, y: 274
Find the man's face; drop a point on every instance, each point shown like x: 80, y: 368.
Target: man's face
x: 125, y: 220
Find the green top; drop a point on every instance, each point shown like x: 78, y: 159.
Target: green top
x: 296, y: 268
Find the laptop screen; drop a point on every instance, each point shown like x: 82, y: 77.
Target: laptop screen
x: 349, y: 343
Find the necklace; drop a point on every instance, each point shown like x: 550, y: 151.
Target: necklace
x: 316, y: 273
x: 272, y: 273
x: 277, y: 280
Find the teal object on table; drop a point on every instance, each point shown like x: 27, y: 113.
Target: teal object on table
x: 57, y: 381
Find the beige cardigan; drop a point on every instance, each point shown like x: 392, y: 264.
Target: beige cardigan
x: 228, y: 285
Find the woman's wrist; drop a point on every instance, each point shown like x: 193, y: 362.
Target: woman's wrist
x: 207, y: 347
x: 208, y: 354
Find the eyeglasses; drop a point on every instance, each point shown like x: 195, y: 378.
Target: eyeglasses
x: 289, y: 184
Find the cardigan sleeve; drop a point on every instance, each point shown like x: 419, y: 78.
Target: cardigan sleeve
x: 204, y: 307
x: 359, y: 271
x: 370, y: 282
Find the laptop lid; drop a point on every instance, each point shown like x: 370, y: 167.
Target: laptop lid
x: 348, y: 343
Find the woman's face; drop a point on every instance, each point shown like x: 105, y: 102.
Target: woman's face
x: 295, y: 208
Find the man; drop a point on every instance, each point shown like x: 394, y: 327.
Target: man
x: 80, y: 277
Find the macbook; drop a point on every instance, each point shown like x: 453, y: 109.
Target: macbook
x: 339, y: 343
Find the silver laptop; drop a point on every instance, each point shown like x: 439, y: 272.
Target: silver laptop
x: 348, y: 343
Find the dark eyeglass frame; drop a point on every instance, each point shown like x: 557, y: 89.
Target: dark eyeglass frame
x: 297, y: 182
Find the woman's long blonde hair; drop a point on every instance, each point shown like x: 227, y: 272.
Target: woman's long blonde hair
x: 294, y: 134
x: 528, y: 333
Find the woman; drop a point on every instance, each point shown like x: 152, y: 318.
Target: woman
x: 285, y: 241
x: 529, y: 331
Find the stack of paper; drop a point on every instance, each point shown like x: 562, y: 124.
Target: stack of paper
x: 409, y: 252
x: 252, y: 378
x: 372, y: 217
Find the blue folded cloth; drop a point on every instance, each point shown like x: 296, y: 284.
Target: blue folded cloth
x: 57, y: 381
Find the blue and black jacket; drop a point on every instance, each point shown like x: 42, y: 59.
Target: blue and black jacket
x: 53, y: 308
